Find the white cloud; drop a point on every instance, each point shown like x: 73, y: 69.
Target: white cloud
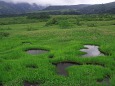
x: 62, y: 2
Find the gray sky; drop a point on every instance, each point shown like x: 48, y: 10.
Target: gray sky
x: 62, y: 2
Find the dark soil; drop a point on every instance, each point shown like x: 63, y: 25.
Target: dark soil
x: 105, y: 81
x: 1, y: 84
x: 30, y: 84
x: 32, y: 66
x: 98, y: 64
x: 26, y: 43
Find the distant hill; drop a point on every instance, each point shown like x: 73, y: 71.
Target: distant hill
x: 19, y: 8
x: 99, y: 8
x: 67, y: 7
x: 7, y: 8
x: 86, y: 9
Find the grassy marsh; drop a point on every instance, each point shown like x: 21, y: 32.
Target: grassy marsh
x: 64, y: 44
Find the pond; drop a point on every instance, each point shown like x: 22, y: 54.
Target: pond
x: 36, y: 51
x: 91, y: 51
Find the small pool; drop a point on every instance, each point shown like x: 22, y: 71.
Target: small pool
x: 91, y: 51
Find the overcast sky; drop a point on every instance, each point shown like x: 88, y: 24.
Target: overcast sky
x: 62, y: 2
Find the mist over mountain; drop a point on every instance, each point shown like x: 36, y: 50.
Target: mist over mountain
x: 61, y: 2
x: 86, y: 8
x: 18, y: 8
x: 99, y: 8
x: 7, y: 8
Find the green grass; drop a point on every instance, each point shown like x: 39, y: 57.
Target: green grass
x: 63, y: 45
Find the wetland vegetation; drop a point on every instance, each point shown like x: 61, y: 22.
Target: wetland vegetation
x: 59, y: 39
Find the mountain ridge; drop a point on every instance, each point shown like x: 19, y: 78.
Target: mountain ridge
x: 87, y: 9
x: 99, y: 8
x: 67, y: 7
x: 7, y: 8
x: 18, y: 8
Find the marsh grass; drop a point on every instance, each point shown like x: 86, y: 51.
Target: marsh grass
x: 7, y: 28
x: 4, y: 34
x: 91, y: 25
x: 16, y: 66
x: 30, y: 28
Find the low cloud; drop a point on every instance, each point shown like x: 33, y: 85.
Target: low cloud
x: 61, y: 2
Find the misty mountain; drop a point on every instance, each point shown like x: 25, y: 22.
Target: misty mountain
x: 19, y: 8
x: 7, y: 8
x: 99, y: 8
x: 67, y: 7
x: 86, y: 9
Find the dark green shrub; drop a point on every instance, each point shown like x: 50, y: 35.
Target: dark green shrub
x: 32, y: 66
x: 3, y: 23
x: 4, y: 34
x: 38, y: 16
x: 65, y: 24
x: 51, y: 56
x: 44, y: 16
x: 78, y: 22
x: 1, y: 83
x: 51, y: 22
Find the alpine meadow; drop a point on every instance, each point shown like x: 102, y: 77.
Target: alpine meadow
x: 57, y: 45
